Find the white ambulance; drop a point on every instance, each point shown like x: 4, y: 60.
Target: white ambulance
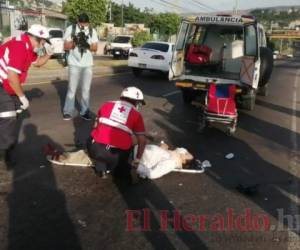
x: 222, y: 49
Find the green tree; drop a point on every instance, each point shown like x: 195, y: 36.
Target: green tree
x: 116, y: 13
x: 95, y: 9
x: 139, y: 38
x: 131, y: 14
x: 165, y: 23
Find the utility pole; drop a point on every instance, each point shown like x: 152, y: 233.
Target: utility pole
x: 110, y: 5
x: 122, y: 13
x: 43, y: 13
x: 236, y: 7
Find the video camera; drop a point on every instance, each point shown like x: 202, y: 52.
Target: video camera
x: 81, y: 41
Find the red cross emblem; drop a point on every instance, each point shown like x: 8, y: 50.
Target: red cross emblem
x: 122, y: 109
x: 41, y: 32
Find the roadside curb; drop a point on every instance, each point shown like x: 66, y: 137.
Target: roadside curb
x: 43, y: 75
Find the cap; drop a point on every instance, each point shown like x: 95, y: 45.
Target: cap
x: 39, y: 31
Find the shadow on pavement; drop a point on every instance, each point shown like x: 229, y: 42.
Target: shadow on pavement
x: 147, y: 195
x: 248, y: 168
x: 82, y: 130
x: 61, y: 89
x: 278, y: 108
x: 38, y: 217
x: 267, y: 130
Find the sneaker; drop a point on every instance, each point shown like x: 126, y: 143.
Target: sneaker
x: 86, y: 116
x: 67, y: 117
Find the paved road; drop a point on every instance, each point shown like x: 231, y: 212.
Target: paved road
x: 52, y: 207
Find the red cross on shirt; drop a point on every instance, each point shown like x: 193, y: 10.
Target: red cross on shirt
x: 122, y: 109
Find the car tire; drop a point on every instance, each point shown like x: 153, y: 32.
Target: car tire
x: 263, y: 90
x: 248, y: 101
x: 137, y: 72
x: 266, y: 65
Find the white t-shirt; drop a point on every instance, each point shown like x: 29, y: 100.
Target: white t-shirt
x: 75, y: 58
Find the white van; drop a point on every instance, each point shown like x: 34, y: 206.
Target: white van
x: 222, y: 49
x: 56, y: 39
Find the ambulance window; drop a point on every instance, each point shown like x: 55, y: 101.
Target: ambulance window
x: 250, y: 41
x: 181, y: 36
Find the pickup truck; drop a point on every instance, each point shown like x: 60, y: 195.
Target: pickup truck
x: 120, y: 47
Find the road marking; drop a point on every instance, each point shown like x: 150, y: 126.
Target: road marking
x: 171, y: 93
x: 94, y: 77
x: 294, y: 192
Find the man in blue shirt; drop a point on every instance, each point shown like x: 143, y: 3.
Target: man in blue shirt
x: 80, y: 40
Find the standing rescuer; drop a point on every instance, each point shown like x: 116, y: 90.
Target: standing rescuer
x: 111, y: 139
x: 16, y: 56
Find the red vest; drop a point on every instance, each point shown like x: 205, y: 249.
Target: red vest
x: 16, y: 55
x: 117, y: 122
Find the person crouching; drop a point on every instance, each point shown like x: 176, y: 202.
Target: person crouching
x: 111, y: 139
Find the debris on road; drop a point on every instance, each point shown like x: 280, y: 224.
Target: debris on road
x: 229, y: 156
x: 206, y: 164
x: 82, y: 223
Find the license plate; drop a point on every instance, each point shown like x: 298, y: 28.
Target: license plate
x: 142, y: 65
x: 117, y: 52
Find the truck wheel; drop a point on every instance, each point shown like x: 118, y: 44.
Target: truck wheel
x: 248, y: 101
x: 137, y: 72
x: 266, y: 65
x: 263, y: 90
x: 188, y: 95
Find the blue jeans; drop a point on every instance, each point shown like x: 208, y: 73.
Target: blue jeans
x: 78, y: 76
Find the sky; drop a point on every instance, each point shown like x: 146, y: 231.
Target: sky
x: 206, y: 5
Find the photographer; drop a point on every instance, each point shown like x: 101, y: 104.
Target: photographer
x: 80, y: 40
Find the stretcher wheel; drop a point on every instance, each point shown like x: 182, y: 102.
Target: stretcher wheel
x: 231, y: 130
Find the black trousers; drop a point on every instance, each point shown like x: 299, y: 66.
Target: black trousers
x: 109, y: 159
x: 8, y: 125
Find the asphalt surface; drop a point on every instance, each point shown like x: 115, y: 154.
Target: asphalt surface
x: 43, y: 206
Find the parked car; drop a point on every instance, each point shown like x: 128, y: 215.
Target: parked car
x: 120, y: 47
x: 56, y: 39
x: 222, y: 49
x: 151, y: 56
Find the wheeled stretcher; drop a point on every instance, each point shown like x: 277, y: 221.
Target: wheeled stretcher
x: 220, y: 107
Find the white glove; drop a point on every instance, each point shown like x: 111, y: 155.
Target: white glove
x: 24, y: 101
x: 49, y: 49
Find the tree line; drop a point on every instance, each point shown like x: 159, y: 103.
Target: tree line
x: 271, y: 16
x: 99, y: 12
